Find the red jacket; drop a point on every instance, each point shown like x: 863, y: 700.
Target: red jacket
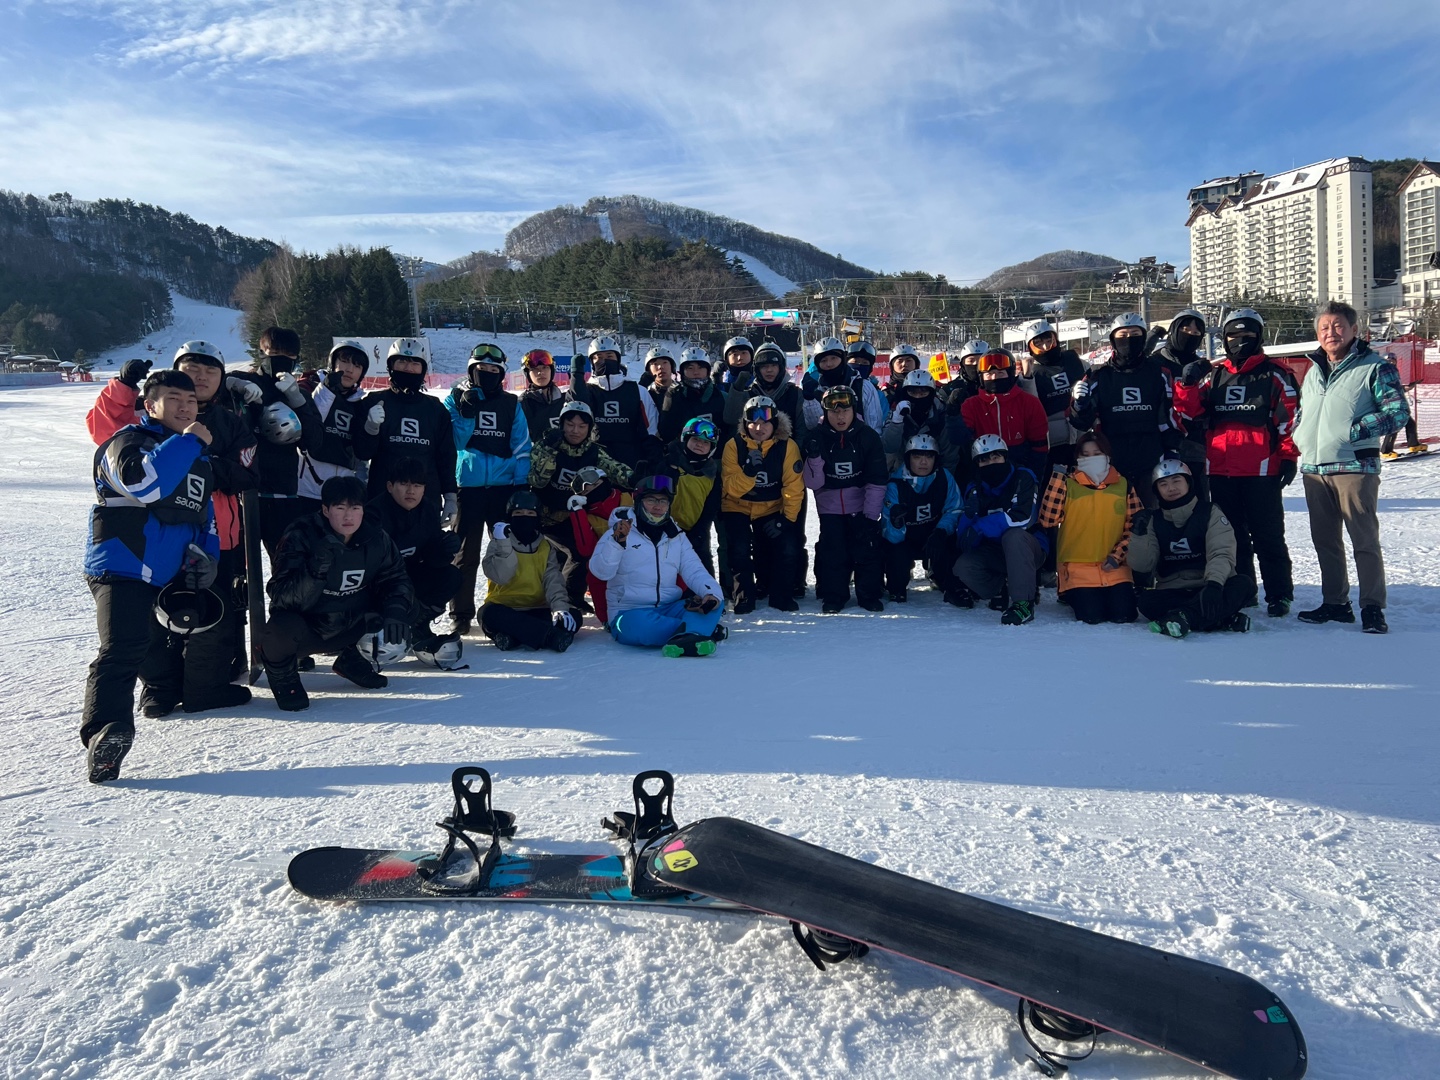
x: 1017, y: 417
x: 1251, y: 411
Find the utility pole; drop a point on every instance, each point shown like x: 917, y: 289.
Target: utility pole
x: 573, y: 311
x: 489, y: 302
x: 412, y: 269
x: 833, y: 293
x: 1142, y: 279
x: 619, y: 299
x: 529, y: 326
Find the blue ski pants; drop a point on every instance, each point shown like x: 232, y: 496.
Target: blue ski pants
x: 651, y: 627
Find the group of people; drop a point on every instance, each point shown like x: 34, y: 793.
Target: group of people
x: 1147, y: 486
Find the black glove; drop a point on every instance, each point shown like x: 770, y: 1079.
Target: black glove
x: 773, y: 527
x: 323, y: 557
x: 810, y: 393
x: 470, y: 403
x: 1141, y: 525
x: 1209, y: 602
x: 953, y: 404
x: 199, y: 568
x: 397, y: 631
x: 703, y: 604
x: 1194, y: 372
x: 1288, y: 469
x: 753, y: 460
x: 133, y: 372
x: 743, y: 382
x: 897, y: 516
x: 811, y: 447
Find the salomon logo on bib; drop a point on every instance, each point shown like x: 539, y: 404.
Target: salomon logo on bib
x: 486, y: 421
x: 410, y: 427
x: 1130, y: 395
x: 350, y: 580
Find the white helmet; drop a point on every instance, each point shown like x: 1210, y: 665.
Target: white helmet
x: 444, y: 653
x: 604, y: 343
x: 827, y: 345
x: 1130, y: 318
x: 769, y: 353
x: 1169, y: 466
x: 660, y: 352
x: 199, y: 348
x: 1243, y: 315
x: 922, y: 444
x: 988, y: 444
x: 380, y: 653
x: 919, y: 377
x: 737, y: 343
x: 973, y: 347
x: 1035, y: 329
x: 407, y: 348
x: 349, y: 343
x: 695, y: 355
x: 903, y: 350
x: 279, y: 424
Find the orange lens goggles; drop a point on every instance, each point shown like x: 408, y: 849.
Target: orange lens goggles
x: 996, y: 361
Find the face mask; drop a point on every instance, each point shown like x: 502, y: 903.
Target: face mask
x: 696, y: 384
x: 1129, y: 351
x: 1186, y: 343
x: 862, y: 370
x: 489, y: 382
x: 334, y: 382
x: 836, y: 376
x: 407, y: 382
x: 994, y: 474
x: 279, y: 365
x: 1241, y: 349
x: 606, y: 366
x: 526, y: 529
x: 1000, y: 385
x: 920, y: 408
x: 1095, y: 466
x: 970, y: 372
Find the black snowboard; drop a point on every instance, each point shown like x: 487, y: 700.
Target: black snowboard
x: 1206, y: 1014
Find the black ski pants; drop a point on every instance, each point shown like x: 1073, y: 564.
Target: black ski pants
x: 934, y: 550
x: 1104, y: 603
x: 192, y: 668
x: 1412, y: 436
x: 1205, y: 608
x: 528, y: 626
x: 755, y: 556
x: 1256, y: 510
x: 132, y: 645
x: 434, y: 587
x: 288, y: 635
x: 849, y: 545
x: 479, y: 508
x: 276, y: 514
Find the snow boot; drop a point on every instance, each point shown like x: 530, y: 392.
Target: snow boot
x: 1174, y: 625
x: 898, y: 596
x: 1238, y: 623
x: 720, y: 633
x: 1278, y: 609
x: 351, y: 665
x: 284, y: 680
x: 559, y: 639
x: 1422, y: 448
x: 871, y: 605
x: 157, y: 703
x: 305, y: 663
x: 1001, y: 602
x: 960, y: 597
x: 228, y: 696
x: 1372, y: 620
x: 1328, y: 613
x: 503, y: 642
x: 1018, y: 613
x: 687, y: 644
x: 782, y: 602
x: 107, y: 749
x: 832, y: 607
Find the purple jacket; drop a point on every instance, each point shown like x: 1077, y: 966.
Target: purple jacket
x: 846, y: 470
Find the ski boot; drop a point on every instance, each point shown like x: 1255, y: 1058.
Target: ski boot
x: 1278, y: 609
x: 106, y: 750
x: 1174, y: 625
x: 1001, y: 602
x: 825, y: 948
x: 959, y: 597
x: 349, y: 664
x: 688, y: 644
x: 1018, y: 613
x: 284, y: 680
x: 1239, y: 623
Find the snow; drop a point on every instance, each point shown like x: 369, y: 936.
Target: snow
x: 1265, y: 802
x: 194, y: 319
x: 776, y: 284
x: 602, y: 219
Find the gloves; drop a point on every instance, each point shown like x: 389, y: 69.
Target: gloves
x: 993, y: 525
x: 752, y: 462
x: 1208, y: 602
x: 1194, y: 372
x: 743, y: 382
x: 375, y: 418
x: 966, y: 538
x: 470, y: 403
x: 396, y: 632
x: 954, y: 403
x: 811, y: 447
x: 563, y: 620
x: 703, y: 604
x: 576, y: 502
x: 199, y: 568
x: 323, y: 558
x: 897, y: 516
x: 248, y: 392
x: 1141, y: 525
x: 449, y: 511
x: 1081, y: 391
x: 133, y: 372
x: 900, y: 412
x: 501, y: 531
x: 773, y: 527
x: 1288, y: 470
x: 290, y: 390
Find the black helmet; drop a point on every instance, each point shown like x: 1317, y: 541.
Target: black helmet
x: 524, y: 499
x: 185, y: 611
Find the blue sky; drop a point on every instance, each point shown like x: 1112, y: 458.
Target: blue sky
x: 951, y: 137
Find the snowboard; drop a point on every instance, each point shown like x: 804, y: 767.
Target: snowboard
x: 1209, y: 1015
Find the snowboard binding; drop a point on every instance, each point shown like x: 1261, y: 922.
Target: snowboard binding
x: 825, y: 948
x: 1058, y: 1026
x: 444, y: 874
x: 651, y: 822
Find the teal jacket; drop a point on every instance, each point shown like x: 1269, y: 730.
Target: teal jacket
x: 1346, y: 409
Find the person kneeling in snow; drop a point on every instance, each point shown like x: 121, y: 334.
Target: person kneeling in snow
x: 1000, y: 553
x: 1190, y: 547
x: 336, y: 578
x: 922, y: 504
x: 526, y: 602
x: 644, y: 557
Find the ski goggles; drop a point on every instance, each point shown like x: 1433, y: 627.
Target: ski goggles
x: 996, y: 361
x: 655, y: 487
x: 539, y: 358
x: 760, y: 414
x: 838, y: 397
x: 701, y: 429
x: 491, y: 353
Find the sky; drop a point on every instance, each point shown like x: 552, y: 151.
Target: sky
x: 953, y: 137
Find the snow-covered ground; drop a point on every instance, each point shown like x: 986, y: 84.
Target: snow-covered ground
x: 1267, y: 802
x: 774, y: 283
x: 194, y: 319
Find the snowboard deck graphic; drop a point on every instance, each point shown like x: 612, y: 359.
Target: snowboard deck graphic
x: 372, y: 874
x: 1209, y: 1015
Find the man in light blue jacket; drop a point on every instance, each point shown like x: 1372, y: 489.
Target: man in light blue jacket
x: 1350, y: 400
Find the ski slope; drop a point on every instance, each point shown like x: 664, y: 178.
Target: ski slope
x: 1266, y: 802
x: 194, y: 319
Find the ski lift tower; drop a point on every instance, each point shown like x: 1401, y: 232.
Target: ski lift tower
x: 412, y: 269
x: 1143, y: 279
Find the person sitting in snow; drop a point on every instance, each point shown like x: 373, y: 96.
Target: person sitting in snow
x: 526, y: 602
x: 1000, y: 553
x: 1190, y: 548
x: 644, y: 557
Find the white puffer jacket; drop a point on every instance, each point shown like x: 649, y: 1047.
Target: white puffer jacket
x: 642, y: 574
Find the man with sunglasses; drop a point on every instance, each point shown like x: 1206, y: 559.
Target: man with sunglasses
x: 492, y: 462
x: 1002, y: 408
x: 542, y: 399
x: 1131, y: 400
x: 845, y: 467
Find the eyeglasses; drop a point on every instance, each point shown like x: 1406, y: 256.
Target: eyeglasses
x: 488, y: 352
x: 539, y: 358
x: 996, y: 361
x: 760, y: 414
